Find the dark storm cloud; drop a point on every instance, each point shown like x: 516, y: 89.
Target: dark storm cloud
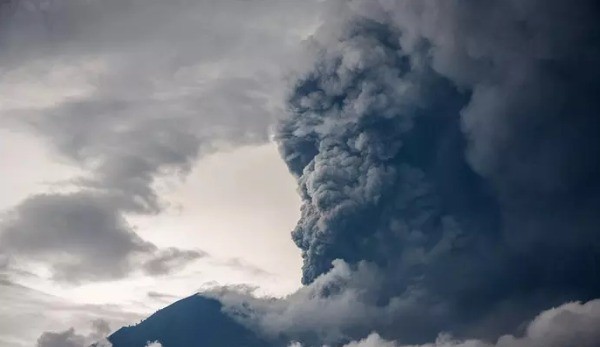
x: 147, y: 88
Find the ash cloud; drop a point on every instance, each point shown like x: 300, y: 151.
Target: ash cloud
x: 572, y: 324
x: 450, y: 150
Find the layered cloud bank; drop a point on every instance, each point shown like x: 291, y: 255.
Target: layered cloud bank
x: 447, y: 158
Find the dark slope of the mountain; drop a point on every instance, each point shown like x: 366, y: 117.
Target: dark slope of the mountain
x: 195, y: 321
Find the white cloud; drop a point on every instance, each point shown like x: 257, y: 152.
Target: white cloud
x: 128, y: 92
x: 123, y: 94
x: 23, y: 323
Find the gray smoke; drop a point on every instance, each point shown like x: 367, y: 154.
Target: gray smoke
x: 453, y: 146
x: 572, y: 324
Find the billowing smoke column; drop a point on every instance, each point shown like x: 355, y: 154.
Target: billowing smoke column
x: 453, y: 147
x: 363, y: 129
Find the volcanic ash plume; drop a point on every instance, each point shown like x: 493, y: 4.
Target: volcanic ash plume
x: 451, y: 149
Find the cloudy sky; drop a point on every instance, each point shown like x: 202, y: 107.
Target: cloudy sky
x: 436, y: 163
x: 136, y: 156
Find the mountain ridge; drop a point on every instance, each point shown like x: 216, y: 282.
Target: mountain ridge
x: 195, y: 321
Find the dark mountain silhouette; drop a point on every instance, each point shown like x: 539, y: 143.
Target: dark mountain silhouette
x: 195, y: 321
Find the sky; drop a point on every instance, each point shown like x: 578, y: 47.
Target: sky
x: 335, y: 173
x: 146, y: 123
x: 198, y: 217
